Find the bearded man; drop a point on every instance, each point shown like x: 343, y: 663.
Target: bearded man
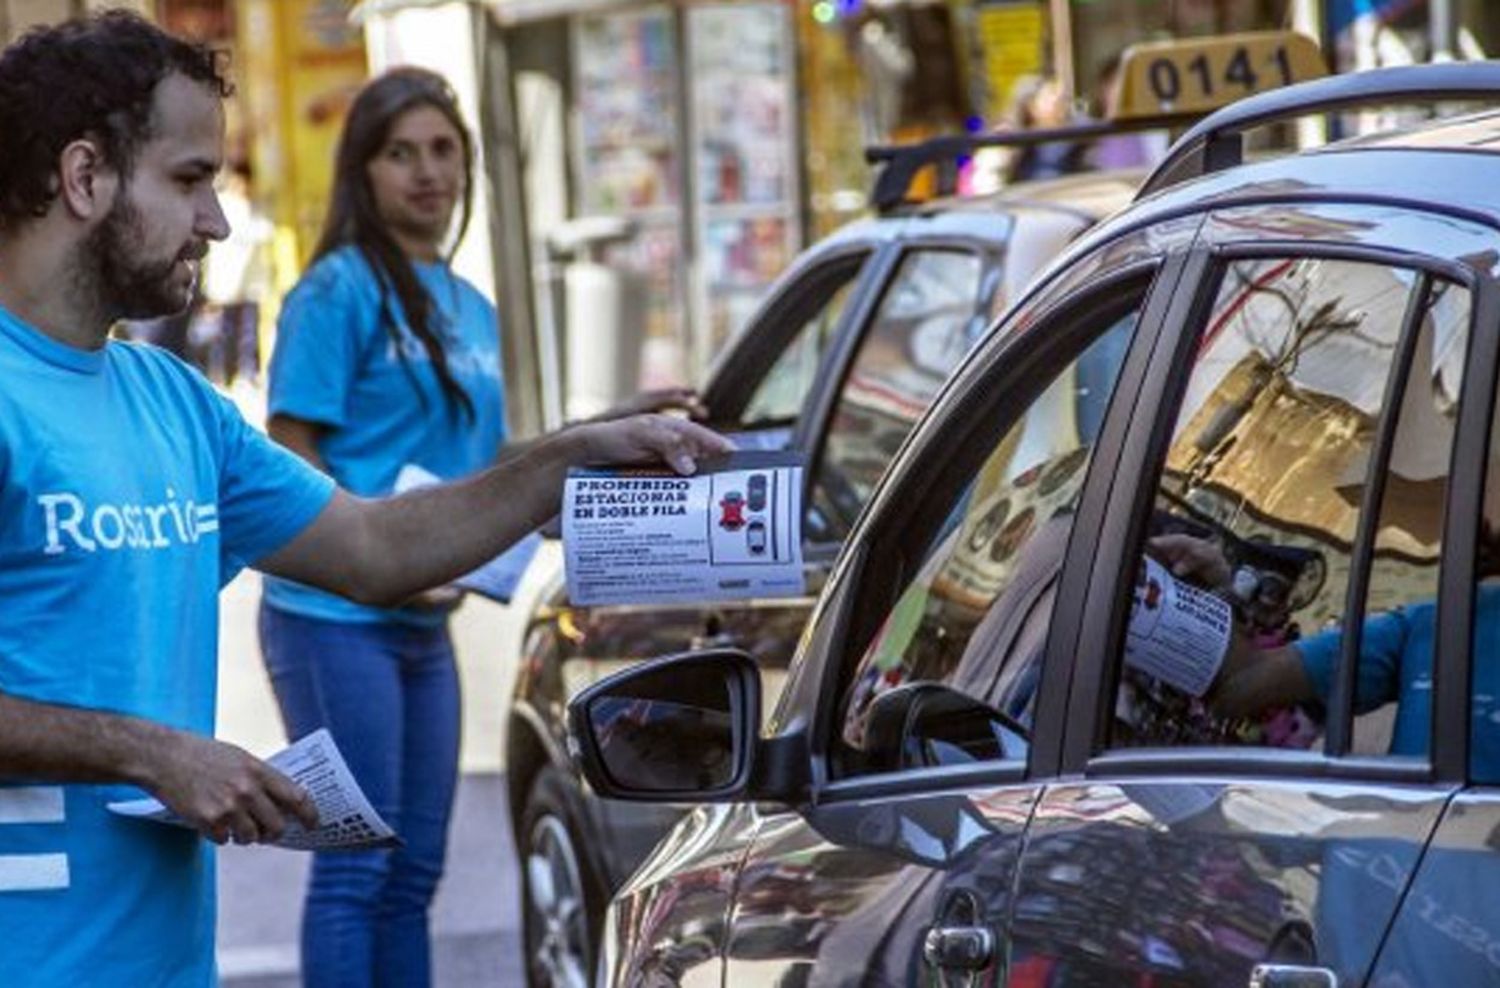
x: 130, y: 492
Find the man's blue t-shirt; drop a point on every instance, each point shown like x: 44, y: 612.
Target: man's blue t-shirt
x: 337, y: 364
x: 1395, y: 663
x: 130, y: 492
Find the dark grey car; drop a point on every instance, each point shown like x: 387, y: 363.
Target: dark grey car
x: 983, y: 771
x: 847, y: 351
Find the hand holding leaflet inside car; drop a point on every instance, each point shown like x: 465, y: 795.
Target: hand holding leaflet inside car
x: 1177, y: 632
x: 732, y: 530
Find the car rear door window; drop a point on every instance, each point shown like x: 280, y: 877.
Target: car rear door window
x: 1295, y: 539
x: 968, y: 628
x: 927, y: 320
x: 1484, y: 739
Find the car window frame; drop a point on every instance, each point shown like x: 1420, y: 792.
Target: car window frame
x: 883, y: 560
x: 1099, y: 605
x: 811, y: 434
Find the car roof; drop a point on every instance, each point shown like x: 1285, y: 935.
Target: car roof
x: 1090, y: 195
x: 1087, y: 196
x: 1470, y: 132
x: 1393, y: 167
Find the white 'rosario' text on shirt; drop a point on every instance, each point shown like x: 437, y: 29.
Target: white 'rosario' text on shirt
x: 73, y: 523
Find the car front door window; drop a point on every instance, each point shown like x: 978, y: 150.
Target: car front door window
x: 950, y: 676
x: 782, y: 393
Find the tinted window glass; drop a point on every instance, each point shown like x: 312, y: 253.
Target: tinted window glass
x: 951, y: 674
x: 1238, y: 617
x: 1484, y: 742
x: 783, y: 391
x: 925, y: 324
x: 1408, y: 536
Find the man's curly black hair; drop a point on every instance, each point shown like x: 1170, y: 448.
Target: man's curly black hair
x: 90, y: 77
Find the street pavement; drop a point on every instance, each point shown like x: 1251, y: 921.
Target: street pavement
x: 475, y: 921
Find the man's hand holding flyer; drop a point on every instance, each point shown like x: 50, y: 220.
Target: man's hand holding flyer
x: 346, y: 820
x: 733, y: 530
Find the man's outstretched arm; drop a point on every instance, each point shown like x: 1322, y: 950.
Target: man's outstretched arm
x: 222, y: 790
x: 382, y: 551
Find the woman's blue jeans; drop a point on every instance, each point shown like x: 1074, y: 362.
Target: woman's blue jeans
x: 389, y: 695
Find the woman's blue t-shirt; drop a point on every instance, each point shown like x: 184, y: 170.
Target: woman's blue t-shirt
x: 337, y: 364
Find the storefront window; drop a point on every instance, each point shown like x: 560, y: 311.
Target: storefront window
x: 1366, y: 35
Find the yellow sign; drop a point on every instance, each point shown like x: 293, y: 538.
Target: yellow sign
x: 1010, y: 36
x: 1196, y: 75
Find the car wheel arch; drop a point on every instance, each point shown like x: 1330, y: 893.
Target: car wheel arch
x: 550, y: 796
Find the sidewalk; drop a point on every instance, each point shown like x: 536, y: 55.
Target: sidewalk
x: 476, y: 941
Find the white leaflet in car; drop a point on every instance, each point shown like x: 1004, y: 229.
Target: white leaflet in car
x: 733, y: 530
x: 777, y: 437
x: 1177, y: 632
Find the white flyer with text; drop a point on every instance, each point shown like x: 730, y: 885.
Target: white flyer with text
x: 732, y: 530
x: 1177, y: 632
x: 347, y: 821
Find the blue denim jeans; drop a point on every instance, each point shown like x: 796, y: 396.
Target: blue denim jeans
x: 389, y: 695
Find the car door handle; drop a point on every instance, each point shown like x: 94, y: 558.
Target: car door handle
x: 1292, y: 976
x: 966, y: 947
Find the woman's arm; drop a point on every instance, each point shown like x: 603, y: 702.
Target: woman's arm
x: 300, y: 436
x: 1255, y: 679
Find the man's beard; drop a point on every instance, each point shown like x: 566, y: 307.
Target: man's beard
x: 125, y: 284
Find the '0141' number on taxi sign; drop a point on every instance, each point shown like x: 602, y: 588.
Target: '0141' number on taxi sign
x: 1197, y: 75
x: 1167, y: 79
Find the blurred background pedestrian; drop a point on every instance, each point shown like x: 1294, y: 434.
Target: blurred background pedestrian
x: 224, y: 337
x: 1040, y: 103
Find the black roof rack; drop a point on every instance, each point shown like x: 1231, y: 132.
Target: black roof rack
x: 1217, y: 143
x: 903, y: 161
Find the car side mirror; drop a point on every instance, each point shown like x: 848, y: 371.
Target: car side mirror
x: 927, y: 724
x: 678, y: 729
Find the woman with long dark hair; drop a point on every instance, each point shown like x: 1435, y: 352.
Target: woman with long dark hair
x: 384, y: 357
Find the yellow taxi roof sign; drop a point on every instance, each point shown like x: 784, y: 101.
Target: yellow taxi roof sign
x: 1198, y: 75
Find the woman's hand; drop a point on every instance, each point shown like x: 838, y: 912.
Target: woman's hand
x: 658, y: 400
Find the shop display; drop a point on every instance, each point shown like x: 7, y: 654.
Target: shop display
x: 744, y: 149
x: 628, y: 149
